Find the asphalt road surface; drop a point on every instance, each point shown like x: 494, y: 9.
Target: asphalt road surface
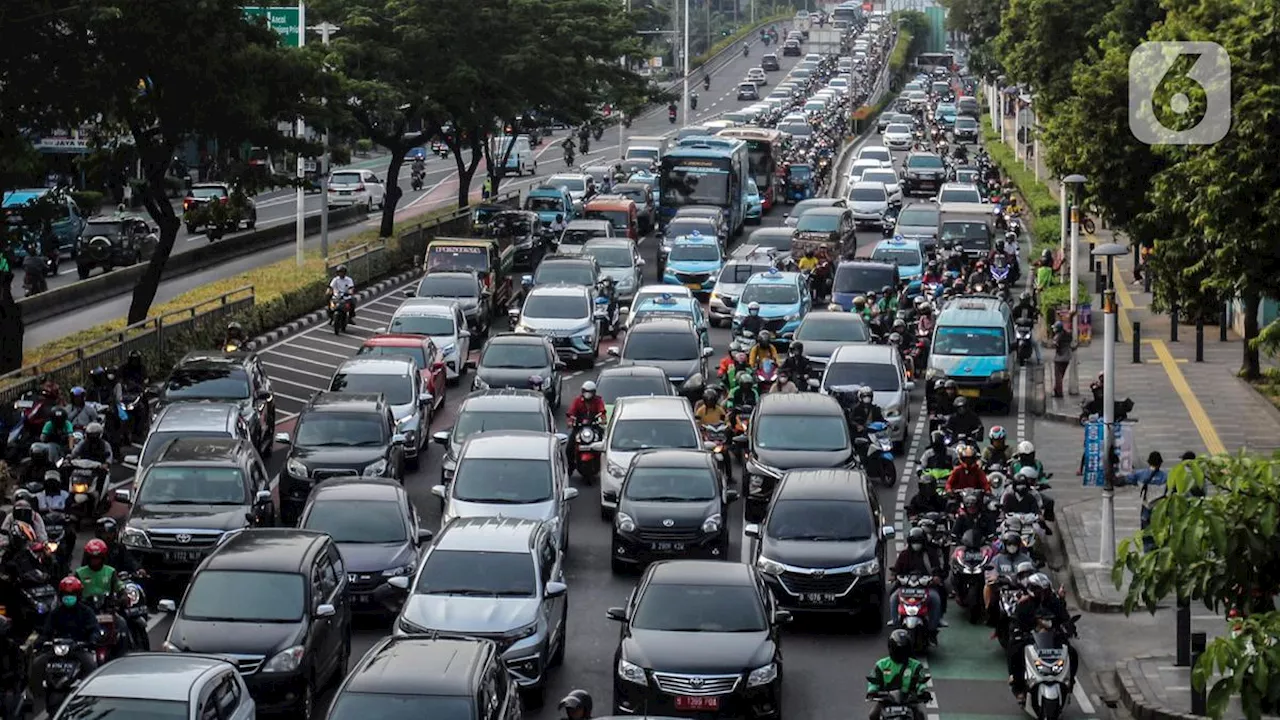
x: 825, y: 666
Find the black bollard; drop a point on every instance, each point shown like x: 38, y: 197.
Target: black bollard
x: 1226, y: 319
x: 1173, y: 324
x: 1182, y: 633
x: 1146, y: 280
x: 1100, y: 280
x: 1137, y: 342
x: 1199, y: 340
x: 1198, y: 699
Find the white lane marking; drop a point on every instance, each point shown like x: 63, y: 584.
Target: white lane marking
x: 1082, y: 699
x: 286, y: 368
x: 326, y: 340
x: 908, y: 470
x: 1022, y: 405
x: 341, y: 357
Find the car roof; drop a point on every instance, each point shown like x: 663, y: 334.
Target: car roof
x: 135, y: 676
x: 698, y: 239
x: 673, y: 458
x: 823, y: 484
x: 200, y: 450
x: 377, y: 365
x: 972, y: 311
x: 559, y: 290
x: 663, y: 325
x: 631, y: 371
x: 336, y: 401
x: 955, y: 185
x: 493, y: 534
x: 510, y: 444
x: 799, y: 404
x: 514, y: 338
x: 908, y: 243
x: 588, y: 222
x: 652, y: 407
x: 701, y: 572
x: 213, y: 359
x: 822, y: 210
x: 347, y: 489
x: 196, y: 416
x: 417, y: 665
x: 780, y: 275
x: 771, y: 231
x: 607, y: 242
x: 427, y: 307
x: 503, y: 400
x: 470, y: 274
x: 867, y: 263
x: 395, y: 340
x: 266, y: 550
x: 864, y: 185
x: 865, y: 353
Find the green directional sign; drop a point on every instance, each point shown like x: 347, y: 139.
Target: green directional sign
x: 284, y: 20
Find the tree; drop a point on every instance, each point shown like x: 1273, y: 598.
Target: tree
x: 979, y: 22
x: 167, y: 72
x: 1040, y: 42
x: 1216, y: 542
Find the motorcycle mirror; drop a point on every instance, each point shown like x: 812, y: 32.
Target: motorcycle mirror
x: 739, y: 439
x: 594, y: 447
x: 613, y: 352
x: 282, y: 438
x: 909, y: 385
x: 731, y: 495
x: 124, y: 497
x: 570, y: 493
x: 131, y: 460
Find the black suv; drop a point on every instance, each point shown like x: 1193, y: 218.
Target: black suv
x: 112, y: 241
x: 338, y: 435
x: 463, y: 288
x: 567, y: 270
x: 789, y: 431
x: 274, y: 601
x: 509, y: 360
x: 822, y: 545
x: 236, y: 377
x: 923, y: 174
x: 436, y: 676
x: 196, y: 491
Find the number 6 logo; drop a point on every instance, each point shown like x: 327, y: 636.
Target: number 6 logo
x: 1176, y: 82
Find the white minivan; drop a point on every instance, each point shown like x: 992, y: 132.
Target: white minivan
x: 521, y: 159
x: 357, y: 187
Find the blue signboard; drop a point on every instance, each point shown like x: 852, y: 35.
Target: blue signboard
x: 1095, y: 472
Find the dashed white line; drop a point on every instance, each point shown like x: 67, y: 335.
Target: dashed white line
x: 908, y: 470
x: 1082, y: 699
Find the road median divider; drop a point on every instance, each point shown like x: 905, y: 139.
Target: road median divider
x: 1043, y: 218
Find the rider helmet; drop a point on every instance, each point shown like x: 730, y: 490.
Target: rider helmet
x: 753, y: 308
x: 746, y: 378
x: 997, y: 433
x: 1024, y: 570
x: 70, y: 585
x: 950, y: 385
x: 589, y: 389
x: 797, y: 348
x: 960, y: 404
x: 341, y: 270
x: 899, y: 646
x: 95, y: 548
x: 916, y: 539
x: 886, y: 291
x: 865, y: 394
x: 77, y: 392
x: 1011, y: 542
x: 1027, y: 475
x: 22, y: 512
x: 765, y: 336
x: 106, y: 528
x: 937, y: 438
x: 968, y: 453
x: 1026, y: 448
x: 1025, y: 297
x: 709, y: 396
x: 1040, y: 584
x: 895, y: 338
x: 577, y: 704
x: 970, y: 503
x: 859, y: 302
x: 93, y: 430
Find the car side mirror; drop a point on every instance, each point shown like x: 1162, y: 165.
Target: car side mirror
x: 400, y: 582
x: 613, y: 352
x: 554, y: 590
x: 441, y: 438
x: 751, y: 530
x: 888, y: 532
x: 781, y: 617
x: 909, y: 385
x: 124, y: 497
x: 398, y: 439
x: 167, y: 605
x: 282, y: 438
x: 424, y: 535
x: 561, y: 365
x: 814, y: 383
x: 325, y: 610
x: 562, y: 438
x: 731, y: 495
x: 438, y: 491
x: 470, y: 364
x: 616, y: 613
x: 263, y: 395
x: 640, y: 262
x: 425, y: 399
x: 594, y: 447
x: 411, y: 292
x: 131, y: 460
x: 464, y: 333
x: 262, y: 497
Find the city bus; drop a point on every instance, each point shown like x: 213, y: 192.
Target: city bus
x: 764, y: 151
x: 705, y: 171
x: 850, y: 12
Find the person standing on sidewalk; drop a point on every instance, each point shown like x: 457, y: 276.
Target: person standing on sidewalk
x: 1151, y: 475
x: 1062, y: 349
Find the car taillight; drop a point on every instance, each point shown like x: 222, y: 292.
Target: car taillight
x: 224, y: 200
x: 360, y: 187
x: 186, y: 203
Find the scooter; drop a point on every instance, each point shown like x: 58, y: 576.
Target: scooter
x: 766, y: 375
x: 1048, y: 668
x: 876, y: 451
x: 85, y: 480
x: 1023, y: 343
x: 897, y: 705
x: 587, y: 460
x: 133, y: 603
x: 417, y: 179
x: 1026, y: 524
x: 913, y: 611
x: 968, y: 571
x: 64, y: 671
x: 718, y: 434
x: 339, y: 312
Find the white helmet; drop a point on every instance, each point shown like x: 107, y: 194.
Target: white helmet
x: 589, y: 386
x: 1026, y: 448
x: 835, y: 307
x: 753, y: 307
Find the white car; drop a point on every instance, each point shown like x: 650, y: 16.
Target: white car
x: 575, y: 183
x: 897, y: 136
x: 815, y: 106
x: 638, y: 424
x: 957, y: 192
x: 890, y: 180
x: 356, y: 187
x: 443, y: 322
x: 879, y: 153
x: 839, y: 84
x: 861, y: 166
x: 757, y: 76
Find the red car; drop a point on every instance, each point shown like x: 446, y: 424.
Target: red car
x: 424, y: 354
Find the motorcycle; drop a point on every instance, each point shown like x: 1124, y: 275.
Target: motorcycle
x: 417, y: 179
x: 913, y: 611
x: 62, y: 539
x: 968, y: 569
x: 1006, y: 604
x: 231, y: 346
x: 1048, y: 668
x: 876, y: 452
x: 606, y: 314
x: 63, y: 671
x: 85, y: 480
x: 586, y: 460
x: 766, y: 375
x: 1022, y: 340
x: 339, y: 312
x: 133, y: 602
x: 1026, y: 525
x: 29, y: 598
x: 719, y: 435
x: 897, y: 705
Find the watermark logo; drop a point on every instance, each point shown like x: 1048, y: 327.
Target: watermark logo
x: 1179, y: 93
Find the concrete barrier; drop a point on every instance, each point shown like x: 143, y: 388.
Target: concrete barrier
x: 120, y: 282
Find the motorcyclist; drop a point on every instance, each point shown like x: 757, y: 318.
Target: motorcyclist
x: 100, y: 580
x: 671, y: 112
x: 964, y: 422
x: 588, y: 407
x: 1004, y: 565
x: 938, y: 456
x: 809, y: 262
x: 969, y: 473
x: 888, y: 302
x: 94, y: 446
x: 763, y: 350
x: 861, y: 308
x: 706, y: 84
x: 998, y: 451
x: 576, y: 705
x: 732, y: 362
x: 1022, y: 497
x: 709, y: 411
x: 234, y: 337
x: 796, y: 364
x: 944, y: 397
x: 783, y: 384
x: 1025, y: 309
x: 744, y: 393
x: 569, y: 148
x: 13, y: 663
x: 79, y: 412
x: 1039, y: 601
x: 107, y: 529
x: 419, y: 165
x: 71, y: 620
x: 1026, y: 458
x: 752, y: 323
x: 24, y: 512
x: 693, y: 101
x: 915, y: 559
x: 932, y: 274
x: 899, y: 671
x: 38, y: 464
x: 54, y: 497
x: 864, y: 412
x: 343, y: 284
x: 134, y: 372
x: 973, y: 515
x: 927, y: 499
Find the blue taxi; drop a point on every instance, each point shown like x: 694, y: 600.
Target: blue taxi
x: 673, y: 306
x: 783, y: 298
x: 972, y: 345
x: 906, y: 254
x: 692, y: 260
x: 755, y: 203
x: 649, y: 179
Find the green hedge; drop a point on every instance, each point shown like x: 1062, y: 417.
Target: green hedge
x: 88, y: 201
x: 1043, y: 219
x: 1059, y: 296
x: 699, y: 60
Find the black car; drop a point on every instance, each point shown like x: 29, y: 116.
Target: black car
x: 196, y: 491
x: 965, y: 129
x: 788, y: 431
x: 436, y: 676
x: 523, y: 230
x: 275, y: 601
x: 834, y: 226
x: 567, y: 270
x: 112, y: 241
x: 769, y: 62
x: 488, y: 411
x: 822, y: 544
x: 513, y: 360
x: 700, y: 638
x: 224, y: 377
x: 672, y: 505
x: 377, y: 530
x: 923, y: 174
x: 791, y: 48
x: 338, y: 435
x: 464, y: 288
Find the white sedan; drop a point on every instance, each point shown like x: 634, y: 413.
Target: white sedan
x: 897, y: 136
x: 861, y: 166
x: 890, y: 180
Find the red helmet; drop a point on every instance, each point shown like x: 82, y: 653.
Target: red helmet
x: 70, y: 585
x: 95, y: 548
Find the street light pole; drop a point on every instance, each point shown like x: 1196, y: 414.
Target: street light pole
x: 685, y: 109
x: 1073, y: 370
x: 1108, y: 534
x: 301, y: 237
x: 322, y: 171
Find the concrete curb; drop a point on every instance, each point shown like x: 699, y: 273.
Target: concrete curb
x: 1064, y: 529
x: 1132, y: 688
x: 316, y: 317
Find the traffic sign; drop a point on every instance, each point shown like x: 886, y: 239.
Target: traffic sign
x: 284, y: 20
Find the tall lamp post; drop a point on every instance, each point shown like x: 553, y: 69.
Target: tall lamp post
x: 326, y: 29
x: 1108, y: 551
x: 685, y: 110
x: 1073, y: 371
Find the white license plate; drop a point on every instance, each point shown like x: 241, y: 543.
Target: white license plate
x: 24, y: 404
x: 63, y: 666
x: 667, y: 546
x: 818, y: 598
x: 175, y: 556
x: 344, y: 192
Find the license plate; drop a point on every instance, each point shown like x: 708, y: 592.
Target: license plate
x: 667, y: 546
x: 693, y: 286
x: 63, y: 666
x: 344, y: 192
x: 818, y: 598
x: 24, y: 404
x: 695, y: 702
x: 182, y: 556
x: 970, y: 392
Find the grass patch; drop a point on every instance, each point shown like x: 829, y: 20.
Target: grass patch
x: 1268, y: 386
x: 1059, y: 296
x: 1043, y: 218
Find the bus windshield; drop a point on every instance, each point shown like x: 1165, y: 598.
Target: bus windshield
x: 695, y: 181
x: 761, y: 162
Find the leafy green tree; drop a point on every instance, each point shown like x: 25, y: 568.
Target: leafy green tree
x: 1216, y: 542
x: 979, y: 21
x: 1040, y: 42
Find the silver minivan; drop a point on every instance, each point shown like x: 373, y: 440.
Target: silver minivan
x: 880, y: 368
x: 638, y: 424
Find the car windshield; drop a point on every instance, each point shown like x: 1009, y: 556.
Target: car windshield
x: 97, y: 707
x: 386, y: 706
x: 632, y: 435
x: 359, y: 521
x: 192, y: 485
x: 822, y: 433
x: 866, y: 194
x: 966, y: 231
x: 208, y: 383
x: 611, y: 257
x: 568, y: 183
x: 966, y: 123
x: 880, y: 377
x: 557, y: 307
x: 897, y: 129
x: 739, y: 273
x: 918, y: 216
x: 396, y: 389
x: 503, y: 481
x: 452, y: 286
x: 416, y: 353
x: 245, y: 596
x: 660, y: 346
x: 580, y: 235
x: 924, y: 162
x: 841, y: 327
x: 612, y: 387
x: 477, y: 573
x: 901, y: 256
x: 157, y: 440
x: 208, y: 193
x: 552, y: 204
x: 886, y: 177
x: 471, y: 422
x: 681, y: 227
x: 330, y: 429
x: 960, y: 195
x: 344, y: 179
x: 819, y: 222
x: 972, y: 341
x: 671, y: 484
x: 879, y: 154
x: 770, y: 293
x: 410, y: 324
x: 109, y: 228
x: 694, y: 252
x: 862, y: 278
x: 699, y: 608
x: 820, y: 520
x: 513, y: 356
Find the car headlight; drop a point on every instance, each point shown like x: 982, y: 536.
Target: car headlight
x: 792, y: 317
x: 135, y: 537
x: 893, y: 411
x: 586, y: 335
x: 296, y: 468
x: 768, y: 567
x: 479, y: 384
x: 1000, y: 376
x: 624, y: 522
x: 375, y: 469
x: 616, y: 470
x: 712, y: 524
x: 632, y: 673
x: 521, y: 633
x: 762, y: 675
x: 286, y: 660
x: 398, y: 571
x: 449, y: 349
x: 868, y: 568
x: 756, y: 468
x: 715, y: 297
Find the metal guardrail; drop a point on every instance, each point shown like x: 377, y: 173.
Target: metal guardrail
x: 155, y: 334
x: 362, y: 261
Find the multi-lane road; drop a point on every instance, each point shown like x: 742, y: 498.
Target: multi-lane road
x: 440, y: 190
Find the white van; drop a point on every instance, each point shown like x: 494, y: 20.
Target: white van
x: 521, y: 159
x: 646, y: 148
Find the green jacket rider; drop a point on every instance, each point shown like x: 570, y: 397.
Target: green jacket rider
x: 97, y: 576
x: 899, y: 671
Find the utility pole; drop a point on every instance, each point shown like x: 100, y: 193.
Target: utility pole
x: 302, y: 163
x: 325, y: 29
x: 685, y: 110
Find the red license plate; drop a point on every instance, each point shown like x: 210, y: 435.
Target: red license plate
x: 696, y: 702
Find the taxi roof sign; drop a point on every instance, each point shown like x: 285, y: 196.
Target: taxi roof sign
x: 664, y: 299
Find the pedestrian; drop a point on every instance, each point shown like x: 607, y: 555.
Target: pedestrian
x: 486, y: 190
x: 1062, y: 349
x: 1153, y: 474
